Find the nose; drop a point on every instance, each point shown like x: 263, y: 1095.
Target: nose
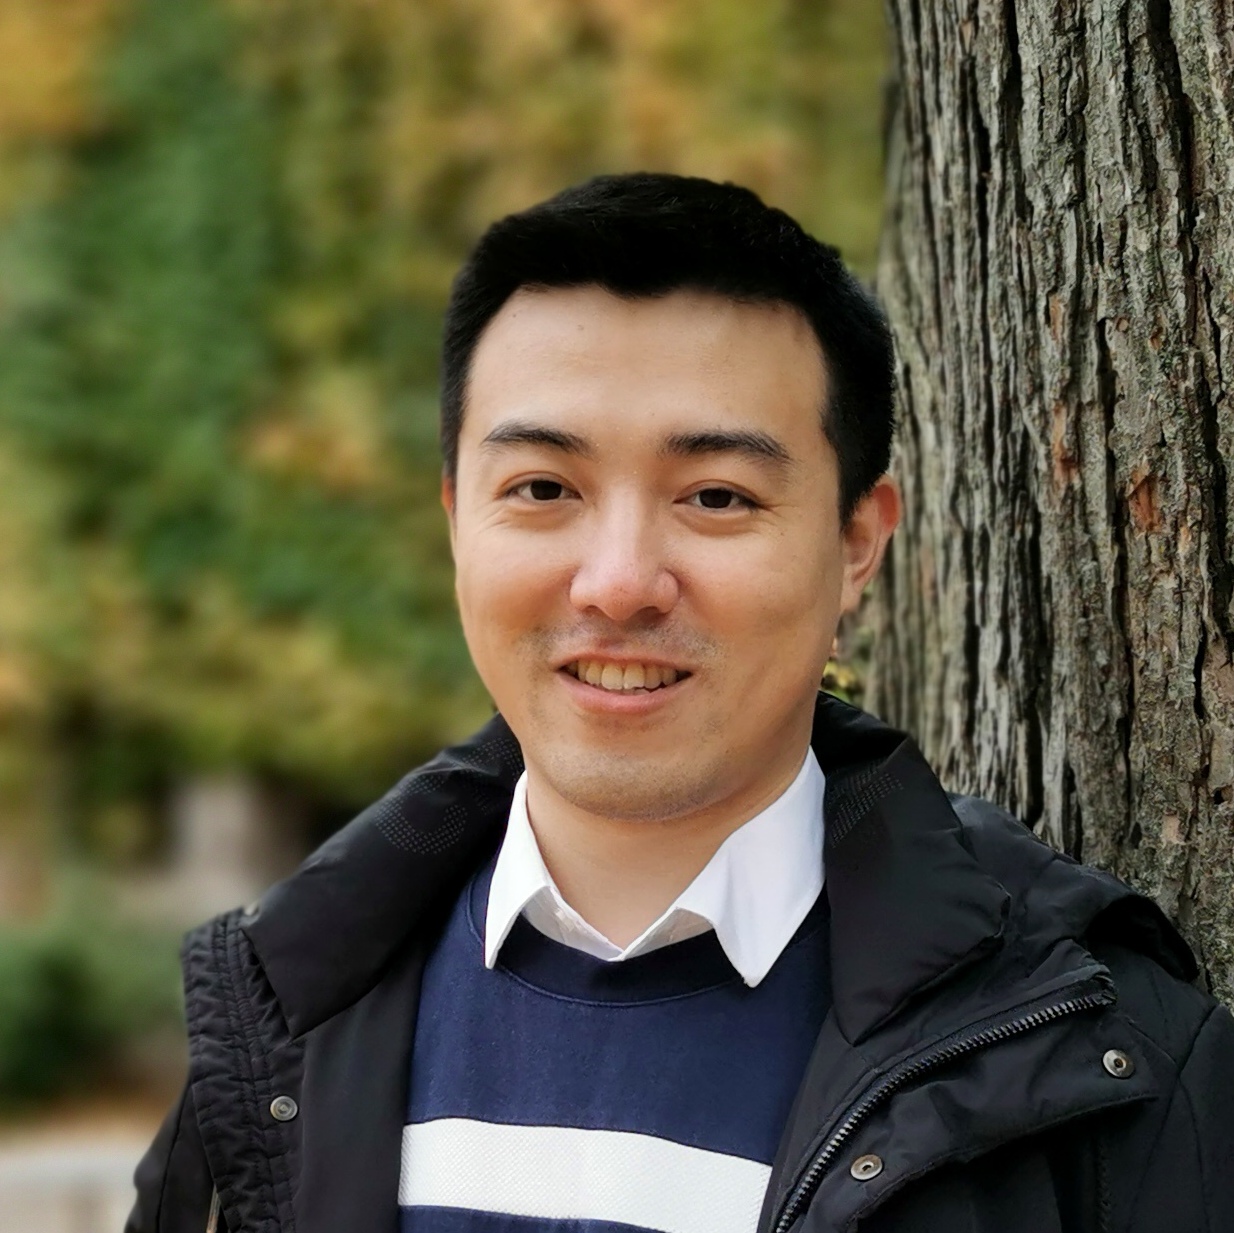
x: 622, y: 570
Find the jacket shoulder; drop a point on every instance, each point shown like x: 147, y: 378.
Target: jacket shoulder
x: 1053, y: 894
x: 1175, y: 1152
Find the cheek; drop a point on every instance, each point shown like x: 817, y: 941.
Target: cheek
x: 486, y: 599
x: 504, y: 590
x: 775, y: 612
x: 786, y: 581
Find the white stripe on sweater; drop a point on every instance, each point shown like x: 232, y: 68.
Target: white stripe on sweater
x: 564, y: 1173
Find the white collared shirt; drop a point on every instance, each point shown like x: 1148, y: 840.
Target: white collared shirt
x: 754, y: 892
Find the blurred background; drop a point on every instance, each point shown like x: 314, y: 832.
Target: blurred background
x: 227, y: 230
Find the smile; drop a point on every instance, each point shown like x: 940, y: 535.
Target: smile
x: 624, y: 678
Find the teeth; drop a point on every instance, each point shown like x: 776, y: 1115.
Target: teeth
x: 618, y: 679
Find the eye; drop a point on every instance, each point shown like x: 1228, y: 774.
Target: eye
x: 720, y: 499
x: 539, y: 491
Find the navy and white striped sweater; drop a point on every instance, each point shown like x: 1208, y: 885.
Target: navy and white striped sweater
x: 561, y: 1093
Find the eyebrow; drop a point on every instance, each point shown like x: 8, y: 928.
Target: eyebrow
x: 522, y: 432
x: 760, y: 446
x: 753, y: 443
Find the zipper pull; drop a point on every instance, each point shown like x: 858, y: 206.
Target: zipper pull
x: 212, y: 1220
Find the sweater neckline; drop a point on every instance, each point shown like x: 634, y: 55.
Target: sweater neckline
x: 681, y: 969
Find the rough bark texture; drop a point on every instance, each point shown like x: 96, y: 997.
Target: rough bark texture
x: 1055, y: 623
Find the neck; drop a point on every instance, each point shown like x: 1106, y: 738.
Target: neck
x: 620, y: 875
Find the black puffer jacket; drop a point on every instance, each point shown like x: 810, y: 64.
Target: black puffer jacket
x: 1014, y: 1045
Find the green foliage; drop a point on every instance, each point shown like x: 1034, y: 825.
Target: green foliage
x: 140, y: 347
x: 253, y: 544
x: 70, y: 992
x: 44, y: 1031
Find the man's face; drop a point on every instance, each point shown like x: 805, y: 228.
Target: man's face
x: 650, y: 561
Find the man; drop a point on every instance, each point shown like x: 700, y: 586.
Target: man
x: 677, y: 943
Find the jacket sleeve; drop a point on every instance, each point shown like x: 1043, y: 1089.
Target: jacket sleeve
x: 1207, y: 1086
x: 1185, y: 1178
x: 174, y: 1188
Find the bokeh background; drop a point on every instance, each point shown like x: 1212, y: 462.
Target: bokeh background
x: 227, y: 230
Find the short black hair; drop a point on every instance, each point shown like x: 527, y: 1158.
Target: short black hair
x: 645, y: 234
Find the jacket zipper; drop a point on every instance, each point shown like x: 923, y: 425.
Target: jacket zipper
x: 912, y: 1068
x: 212, y: 1220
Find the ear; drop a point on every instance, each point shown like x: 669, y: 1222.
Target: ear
x: 865, y: 537
x: 447, y: 501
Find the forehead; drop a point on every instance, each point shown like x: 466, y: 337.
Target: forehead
x: 583, y: 352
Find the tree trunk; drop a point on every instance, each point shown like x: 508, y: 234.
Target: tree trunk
x: 1055, y: 621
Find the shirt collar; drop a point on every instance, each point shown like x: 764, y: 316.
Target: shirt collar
x: 754, y: 892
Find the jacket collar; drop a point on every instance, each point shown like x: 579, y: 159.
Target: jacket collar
x: 910, y: 904
x: 326, y: 934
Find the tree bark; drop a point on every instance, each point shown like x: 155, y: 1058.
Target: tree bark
x: 1055, y: 621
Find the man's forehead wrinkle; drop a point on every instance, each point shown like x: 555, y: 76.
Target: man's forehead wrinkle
x: 753, y: 443
x: 527, y: 432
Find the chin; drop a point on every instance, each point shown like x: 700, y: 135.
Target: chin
x: 629, y: 788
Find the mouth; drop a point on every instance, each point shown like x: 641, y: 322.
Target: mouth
x: 631, y: 678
